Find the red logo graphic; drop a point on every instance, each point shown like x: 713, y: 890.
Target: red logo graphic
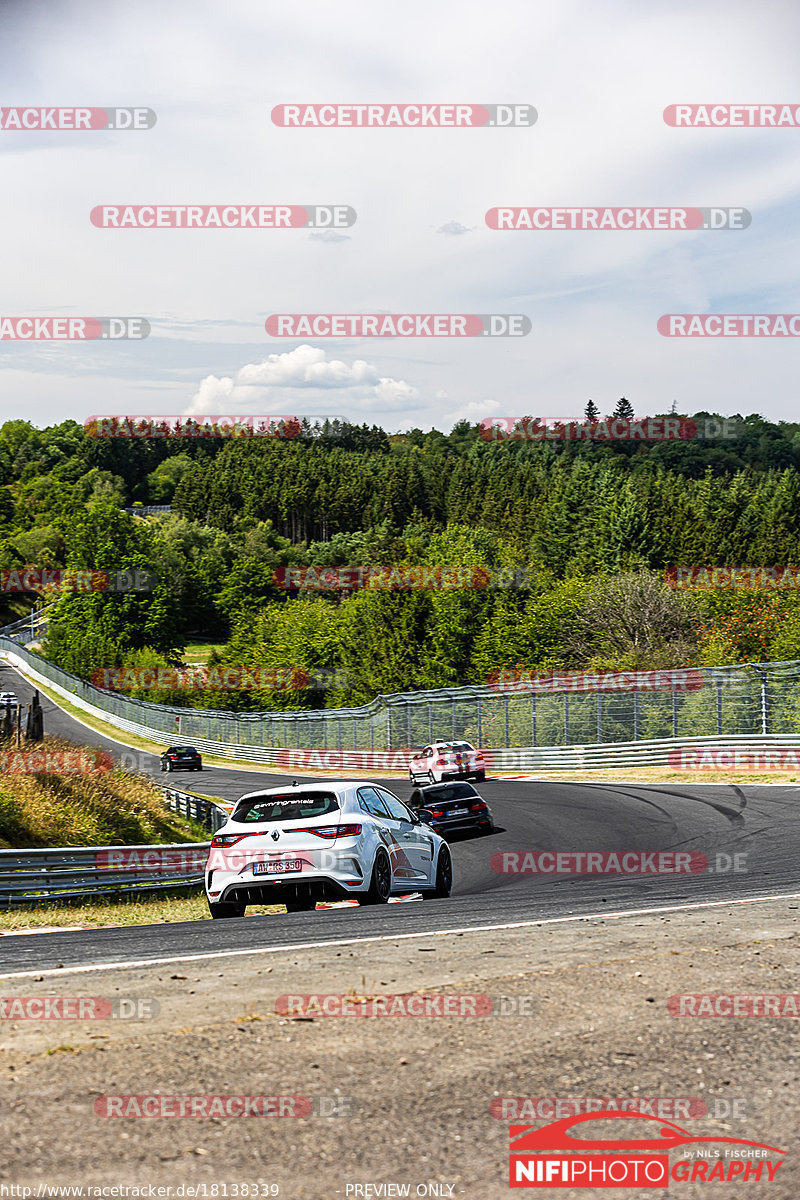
x: 555, y: 1157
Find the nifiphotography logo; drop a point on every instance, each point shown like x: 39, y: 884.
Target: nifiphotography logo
x: 555, y: 1156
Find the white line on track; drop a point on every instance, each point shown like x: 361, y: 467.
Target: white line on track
x: 294, y: 947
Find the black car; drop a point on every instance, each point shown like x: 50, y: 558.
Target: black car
x: 177, y: 757
x: 451, y: 807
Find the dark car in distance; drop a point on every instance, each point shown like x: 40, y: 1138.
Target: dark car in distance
x: 452, y: 808
x: 177, y: 758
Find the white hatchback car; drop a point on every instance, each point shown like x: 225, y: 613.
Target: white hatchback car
x: 446, y: 760
x: 320, y: 841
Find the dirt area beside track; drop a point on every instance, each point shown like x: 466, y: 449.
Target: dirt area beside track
x: 412, y: 1094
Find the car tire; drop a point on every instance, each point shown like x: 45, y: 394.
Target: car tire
x: 444, y: 877
x: 480, y: 776
x: 199, y: 767
x: 169, y: 766
x: 300, y: 904
x: 163, y: 768
x: 489, y: 828
x: 380, y: 883
x: 229, y: 909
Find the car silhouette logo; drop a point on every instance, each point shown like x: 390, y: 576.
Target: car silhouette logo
x: 275, y: 835
x: 556, y: 1136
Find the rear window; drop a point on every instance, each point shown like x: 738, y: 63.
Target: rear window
x: 296, y: 806
x: 455, y: 746
x: 443, y: 795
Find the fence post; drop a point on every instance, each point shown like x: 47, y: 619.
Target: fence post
x: 566, y: 719
x: 454, y: 720
x: 430, y: 720
x: 719, y: 706
x: 599, y: 715
x: 388, y: 726
x: 408, y: 722
x: 636, y: 714
x: 674, y: 711
x: 506, y: 700
x: 480, y: 724
x: 533, y: 718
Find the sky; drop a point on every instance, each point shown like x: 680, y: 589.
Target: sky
x: 599, y: 77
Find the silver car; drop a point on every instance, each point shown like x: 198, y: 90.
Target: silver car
x: 323, y: 841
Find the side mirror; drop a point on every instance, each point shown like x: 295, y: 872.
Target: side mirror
x: 423, y: 816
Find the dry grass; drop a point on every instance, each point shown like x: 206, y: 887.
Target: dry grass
x: 661, y: 775
x: 164, y: 908
x: 100, y: 808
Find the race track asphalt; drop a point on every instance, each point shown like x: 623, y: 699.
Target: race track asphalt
x: 750, y: 836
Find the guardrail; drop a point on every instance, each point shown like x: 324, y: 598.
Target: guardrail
x: 69, y: 873
x: 196, y: 808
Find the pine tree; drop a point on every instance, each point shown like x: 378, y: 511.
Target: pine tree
x: 591, y: 412
x: 624, y: 410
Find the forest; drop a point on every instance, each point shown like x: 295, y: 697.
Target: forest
x: 594, y: 525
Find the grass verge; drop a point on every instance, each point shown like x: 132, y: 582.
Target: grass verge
x: 93, y: 806
x: 165, y: 908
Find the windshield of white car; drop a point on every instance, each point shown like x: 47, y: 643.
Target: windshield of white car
x: 296, y: 806
x: 456, y: 746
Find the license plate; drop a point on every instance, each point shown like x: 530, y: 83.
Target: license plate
x: 278, y: 867
x: 456, y: 812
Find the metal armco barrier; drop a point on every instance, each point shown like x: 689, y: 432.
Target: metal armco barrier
x: 67, y: 873
x: 196, y: 808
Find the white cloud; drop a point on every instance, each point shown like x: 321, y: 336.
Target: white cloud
x: 305, y: 369
x: 455, y: 228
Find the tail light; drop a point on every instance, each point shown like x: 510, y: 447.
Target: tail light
x: 441, y: 762
x: 329, y: 832
x: 229, y: 839
x: 477, y: 807
x: 479, y: 757
x: 436, y: 812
